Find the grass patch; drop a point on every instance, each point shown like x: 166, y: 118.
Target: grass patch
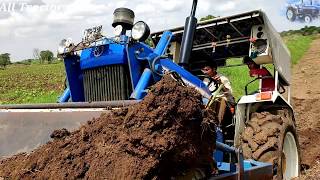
x: 298, y: 45
x: 239, y: 77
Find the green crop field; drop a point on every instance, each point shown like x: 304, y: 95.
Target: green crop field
x: 43, y: 83
x: 35, y: 83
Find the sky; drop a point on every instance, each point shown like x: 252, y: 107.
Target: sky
x: 29, y: 24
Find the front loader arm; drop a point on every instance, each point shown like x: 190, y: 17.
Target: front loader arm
x: 159, y: 64
x: 169, y: 66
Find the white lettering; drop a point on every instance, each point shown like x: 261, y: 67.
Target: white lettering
x: 11, y: 7
x: 23, y: 6
x: 44, y: 8
x: 34, y: 7
x: 3, y: 7
x: 55, y: 8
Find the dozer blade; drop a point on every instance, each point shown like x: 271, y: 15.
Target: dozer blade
x: 25, y: 127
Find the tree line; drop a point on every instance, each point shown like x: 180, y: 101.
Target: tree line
x: 41, y: 57
x: 306, y: 31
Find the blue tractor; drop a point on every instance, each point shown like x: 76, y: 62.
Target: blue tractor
x: 305, y: 10
x: 114, y: 72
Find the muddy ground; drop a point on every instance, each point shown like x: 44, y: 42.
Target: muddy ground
x: 306, y: 103
x: 165, y: 135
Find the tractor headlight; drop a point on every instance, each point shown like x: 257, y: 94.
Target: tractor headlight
x: 140, y: 31
x: 117, y: 30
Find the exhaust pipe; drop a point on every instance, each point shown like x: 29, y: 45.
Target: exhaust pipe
x: 188, y: 35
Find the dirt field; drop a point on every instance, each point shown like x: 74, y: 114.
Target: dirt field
x: 306, y: 102
x: 165, y: 135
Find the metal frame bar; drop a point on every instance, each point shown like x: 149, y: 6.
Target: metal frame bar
x: 101, y: 104
x: 289, y: 94
x: 238, y: 152
x: 221, y: 43
x: 235, y: 29
x: 140, y: 90
x: 257, y: 170
x: 214, y: 22
x: 260, y: 81
x: 276, y: 78
x: 210, y: 33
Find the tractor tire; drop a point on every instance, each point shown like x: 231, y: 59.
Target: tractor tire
x: 272, y: 138
x: 291, y: 15
x: 307, y: 18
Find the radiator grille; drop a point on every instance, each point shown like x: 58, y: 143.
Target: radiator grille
x: 107, y: 83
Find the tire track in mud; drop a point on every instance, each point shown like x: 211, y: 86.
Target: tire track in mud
x: 306, y: 103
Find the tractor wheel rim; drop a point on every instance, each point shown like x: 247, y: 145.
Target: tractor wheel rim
x: 307, y: 19
x: 290, y: 14
x: 290, y: 161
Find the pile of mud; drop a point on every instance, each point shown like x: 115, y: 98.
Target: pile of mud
x: 166, y: 134
x: 311, y: 174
